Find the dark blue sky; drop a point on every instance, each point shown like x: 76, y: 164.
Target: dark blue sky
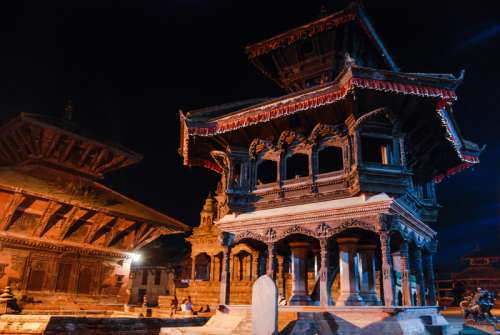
x: 130, y: 65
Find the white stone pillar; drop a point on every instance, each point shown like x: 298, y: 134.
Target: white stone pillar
x: 419, y: 271
x: 299, y: 251
x: 367, y: 276
x: 405, y: 274
x: 349, y: 284
x: 387, y: 272
x: 224, y: 283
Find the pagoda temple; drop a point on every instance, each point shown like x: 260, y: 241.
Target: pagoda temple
x: 66, y: 240
x: 330, y: 188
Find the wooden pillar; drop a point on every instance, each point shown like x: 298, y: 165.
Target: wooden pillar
x: 405, y: 274
x: 387, y: 276
x: 280, y: 277
x: 225, y: 283
x: 419, y: 269
x: 324, y: 295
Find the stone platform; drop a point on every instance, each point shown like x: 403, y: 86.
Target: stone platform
x: 84, y: 325
x: 369, y: 320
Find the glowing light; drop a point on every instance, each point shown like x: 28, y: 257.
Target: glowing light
x: 136, y: 258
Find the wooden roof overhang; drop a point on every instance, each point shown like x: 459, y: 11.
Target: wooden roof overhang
x: 422, y: 101
x: 279, y: 57
x: 34, y: 139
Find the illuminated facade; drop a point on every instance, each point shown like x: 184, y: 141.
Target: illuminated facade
x: 66, y: 241
x: 330, y: 188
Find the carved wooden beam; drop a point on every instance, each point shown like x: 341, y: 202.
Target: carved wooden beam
x: 48, y: 213
x: 4, y: 153
x: 14, y: 203
x: 120, y: 226
x: 53, y: 143
x: 26, y: 141
x: 12, y: 148
x: 140, y: 238
x: 17, y: 139
x: 69, y: 147
x: 72, y: 217
x: 117, y: 159
x: 99, y: 158
x: 102, y: 220
x: 153, y: 236
x: 85, y: 155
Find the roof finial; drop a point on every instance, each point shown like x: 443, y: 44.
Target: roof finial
x: 68, y: 109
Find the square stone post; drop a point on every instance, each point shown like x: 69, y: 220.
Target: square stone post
x: 367, y: 274
x: 224, y: 282
x: 349, y: 283
x: 429, y: 266
x: 299, y: 251
x: 324, y: 294
x: 419, y: 269
x: 387, y: 276
x: 405, y: 274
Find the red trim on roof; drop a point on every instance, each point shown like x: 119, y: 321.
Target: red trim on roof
x: 206, y: 164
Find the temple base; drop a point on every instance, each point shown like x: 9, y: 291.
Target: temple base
x: 371, y: 299
x: 300, y: 300
x: 349, y: 299
x: 364, y: 320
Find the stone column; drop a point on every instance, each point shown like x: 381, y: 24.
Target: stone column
x: 349, y: 284
x: 405, y: 274
x: 224, y: 282
x: 419, y: 270
x: 429, y: 267
x: 299, y: 283
x: 255, y: 266
x: 324, y: 294
x: 367, y: 276
x: 193, y: 267
x: 271, y: 254
x: 387, y: 274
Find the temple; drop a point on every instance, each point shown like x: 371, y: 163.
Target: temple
x: 66, y: 240
x: 330, y: 188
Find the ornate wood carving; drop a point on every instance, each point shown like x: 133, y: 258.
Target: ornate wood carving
x: 12, y: 206
x: 50, y: 210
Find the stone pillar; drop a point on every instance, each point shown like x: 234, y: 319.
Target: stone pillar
x: 387, y: 274
x: 324, y: 294
x: 367, y: 276
x: 271, y: 254
x: 255, y: 266
x: 299, y: 282
x: 405, y: 274
x: 419, y: 270
x: 224, y: 282
x: 349, y: 283
x: 193, y: 267
x: 429, y: 267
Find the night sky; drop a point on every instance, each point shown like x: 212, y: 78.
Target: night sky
x: 130, y: 66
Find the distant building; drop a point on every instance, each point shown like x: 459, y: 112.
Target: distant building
x: 482, y: 270
x: 151, y: 282
x: 66, y: 240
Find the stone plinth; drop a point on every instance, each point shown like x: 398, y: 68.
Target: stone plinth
x: 349, y: 278
x: 264, y: 306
